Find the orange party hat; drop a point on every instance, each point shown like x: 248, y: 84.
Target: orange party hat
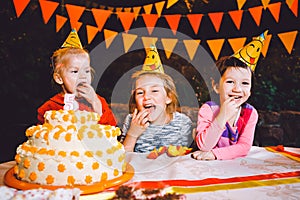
x: 152, y: 61
x: 250, y: 53
x: 72, y: 41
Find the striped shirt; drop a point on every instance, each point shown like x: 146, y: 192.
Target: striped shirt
x: 177, y: 132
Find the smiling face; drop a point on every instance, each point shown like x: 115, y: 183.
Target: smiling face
x: 150, y: 94
x: 74, y: 70
x: 235, y: 82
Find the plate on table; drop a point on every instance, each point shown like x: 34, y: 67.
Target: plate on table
x: 11, y: 181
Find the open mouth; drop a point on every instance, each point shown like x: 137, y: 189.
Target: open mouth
x: 235, y: 97
x: 149, y: 106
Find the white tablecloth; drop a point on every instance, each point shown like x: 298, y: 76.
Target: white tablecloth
x: 262, y: 174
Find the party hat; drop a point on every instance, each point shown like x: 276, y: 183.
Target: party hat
x: 250, y: 53
x: 72, y: 40
x: 152, y: 61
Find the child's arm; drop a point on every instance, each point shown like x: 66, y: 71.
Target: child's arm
x: 244, y: 143
x: 208, y: 129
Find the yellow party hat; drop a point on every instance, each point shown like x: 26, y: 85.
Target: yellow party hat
x: 152, y: 61
x: 72, y: 40
x: 250, y: 53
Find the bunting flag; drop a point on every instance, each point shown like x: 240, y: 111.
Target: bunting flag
x: 236, y: 17
x: 265, y: 3
x: 74, y: 13
x: 47, y: 8
x: 237, y: 43
x: 159, y: 7
x: 109, y: 37
x: 293, y: 5
x: 173, y: 21
x: 126, y: 19
x: 256, y: 13
x: 275, y: 10
x: 195, y: 20
x: 20, y: 6
x: 128, y: 40
x: 266, y: 45
x: 136, y: 11
x: 171, y: 3
x: 148, y: 8
x: 100, y: 17
x: 191, y: 47
x: 147, y: 41
x: 240, y: 3
x: 150, y: 21
x: 169, y: 45
x: 60, y: 21
x: 216, y: 19
x: 91, y: 32
x: 288, y: 40
x: 215, y: 46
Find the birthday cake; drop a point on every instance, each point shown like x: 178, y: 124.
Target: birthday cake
x: 70, y: 148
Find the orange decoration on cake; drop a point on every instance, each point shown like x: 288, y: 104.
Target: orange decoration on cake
x: 74, y: 153
x: 26, y: 163
x: 32, y: 176
x: 49, y: 179
x: 61, y: 168
x: 62, y: 153
x: 71, y: 180
x: 68, y: 137
x: 95, y: 165
x: 79, y: 165
x: 41, y: 166
x: 88, y: 179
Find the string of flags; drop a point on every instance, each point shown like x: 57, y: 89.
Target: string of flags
x: 127, y: 17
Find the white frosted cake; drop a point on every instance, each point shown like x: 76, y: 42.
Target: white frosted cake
x: 70, y: 148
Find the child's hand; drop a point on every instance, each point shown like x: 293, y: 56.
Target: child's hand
x: 86, y: 91
x: 228, y: 110
x: 203, y: 155
x: 139, y: 122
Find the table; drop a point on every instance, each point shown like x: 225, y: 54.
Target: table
x: 265, y: 173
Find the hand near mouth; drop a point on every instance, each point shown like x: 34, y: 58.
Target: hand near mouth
x: 139, y: 122
x: 87, y: 92
x: 228, y: 110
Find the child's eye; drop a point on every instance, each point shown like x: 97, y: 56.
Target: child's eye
x: 155, y: 90
x: 245, y: 83
x: 139, y: 92
x: 87, y: 71
x: 229, y: 81
x: 74, y: 71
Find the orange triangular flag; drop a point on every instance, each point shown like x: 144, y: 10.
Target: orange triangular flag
x: 136, y: 11
x: 265, y: 47
x: 127, y: 9
x: 111, y: 8
x: 150, y: 21
x: 173, y: 21
x: 191, y: 47
x: 148, y: 41
x: 240, y: 3
x: 148, y: 8
x: 288, y: 39
x: 119, y: 9
x: 171, y: 3
x: 195, y: 20
x: 169, y: 45
x: 100, y: 17
x: 215, y: 46
x: 265, y: 3
x: 126, y: 19
x: 75, y: 24
x: 109, y: 37
x: 159, y: 7
x: 74, y: 12
x: 237, y: 43
x: 91, y: 32
x: 236, y: 17
x: 216, y: 19
x: 47, y: 8
x: 128, y: 40
x: 60, y: 21
x: 293, y: 5
x: 256, y: 13
x: 275, y: 10
x: 20, y: 6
